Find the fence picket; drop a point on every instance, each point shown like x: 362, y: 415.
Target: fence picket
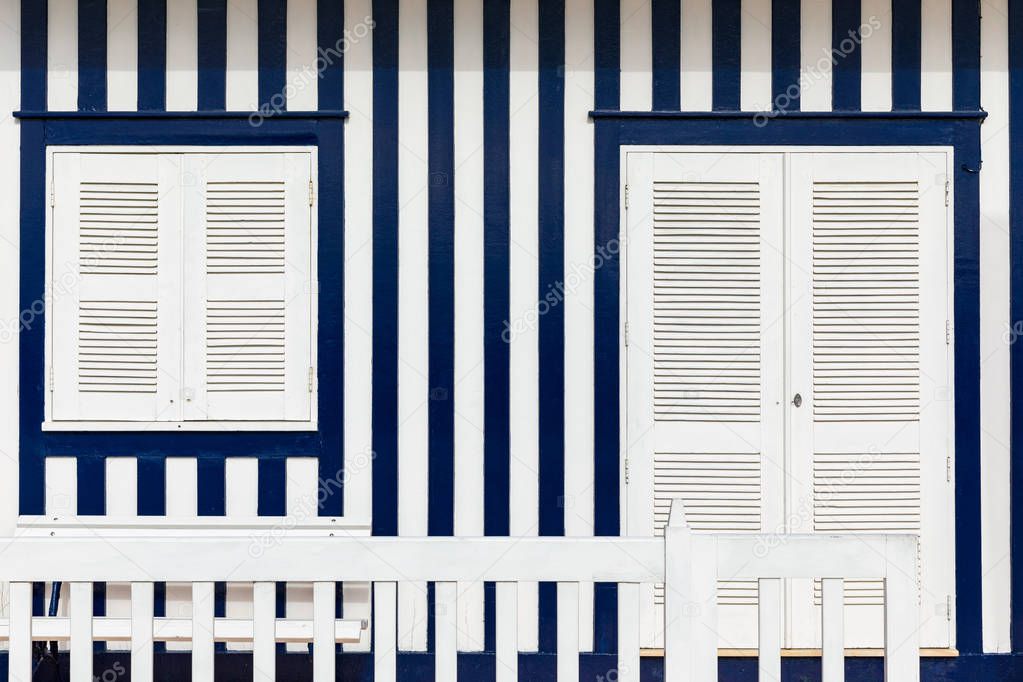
x: 832, y: 630
x: 901, y: 624
x: 202, y: 632
x: 568, y: 632
x: 142, y: 632
x: 385, y: 632
x: 628, y: 632
x: 507, y: 632
x: 264, y: 626
x: 769, y: 635
x: 446, y: 626
x: 324, y: 646
x: 20, y: 643
x: 81, y: 632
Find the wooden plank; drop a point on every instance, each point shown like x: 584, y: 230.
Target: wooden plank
x: 81, y: 632
x: 142, y: 632
x: 20, y: 657
x: 202, y: 631
x: 832, y: 630
x: 446, y: 636
x: 507, y: 632
x: 679, y: 621
x: 901, y: 613
x: 568, y: 632
x: 264, y: 645
x: 385, y: 631
x: 769, y: 636
x: 628, y: 632
x: 324, y: 648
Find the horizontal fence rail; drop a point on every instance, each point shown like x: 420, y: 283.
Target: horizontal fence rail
x: 688, y: 564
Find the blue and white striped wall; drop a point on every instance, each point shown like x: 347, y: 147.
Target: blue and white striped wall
x: 469, y: 158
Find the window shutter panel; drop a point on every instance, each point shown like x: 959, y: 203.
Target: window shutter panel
x: 114, y: 309
x: 713, y: 258
x: 248, y: 291
x: 871, y: 346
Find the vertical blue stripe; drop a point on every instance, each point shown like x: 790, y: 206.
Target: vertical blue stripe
x: 496, y: 265
x: 666, y: 17
x: 212, y: 57
x: 385, y: 267
x: 606, y: 54
x: 152, y: 55
x: 906, y: 55
x: 845, y: 51
x: 273, y: 44
x: 91, y: 486
x: 965, y: 55
x: 152, y: 485
x: 726, y: 53
x: 1015, y: 28
x: 33, y: 55
x: 785, y: 56
x: 441, y: 211
x: 211, y: 486
x: 272, y: 476
x: 329, y: 37
x: 92, y: 55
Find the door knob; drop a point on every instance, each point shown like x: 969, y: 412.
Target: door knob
x: 797, y: 400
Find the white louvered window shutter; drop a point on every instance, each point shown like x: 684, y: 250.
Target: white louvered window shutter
x: 114, y: 314
x: 248, y: 296
x: 704, y: 262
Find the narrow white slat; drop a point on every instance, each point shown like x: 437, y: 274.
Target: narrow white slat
x: 20, y: 644
x: 302, y: 505
x: 704, y: 604
x: 264, y: 645
x: 323, y: 632
x: 202, y: 632
x: 122, y: 502
x: 122, y: 55
x: 568, y: 632
x: 242, y: 55
x: 679, y: 598
x: 468, y: 108
x: 636, y: 55
x: 876, y: 55
x: 302, y: 79
x: 182, y: 55
x: 696, y: 55
x: 356, y: 604
x: 62, y: 55
x: 385, y: 643
x: 413, y: 307
x: 769, y: 635
x: 523, y: 273
x: 81, y: 632
x: 182, y: 480
x: 506, y: 604
x: 578, y: 304
x: 832, y: 630
x: 628, y: 632
x: 815, y: 55
x: 61, y: 475
x: 936, y: 51
x: 901, y: 615
x: 446, y: 634
x: 241, y: 498
x: 142, y: 632
x: 755, y: 56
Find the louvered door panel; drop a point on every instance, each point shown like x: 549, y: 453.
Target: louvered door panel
x: 249, y: 263
x: 113, y: 351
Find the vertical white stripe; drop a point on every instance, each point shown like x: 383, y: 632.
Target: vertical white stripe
x: 302, y: 78
x: 936, y: 54
x: 264, y: 658
x: 302, y: 501
x: 522, y: 329
x: 697, y: 56
x: 61, y: 486
x: 358, y: 93
x: 413, y: 302
x: 579, y: 264
x: 182, y: 55
x: 81, y: 632
x: 468, y: 108
x: 815, y: 55
x: 636, y: 55
x: 121, y: 502
x: 241, y: 483
x: 122, y: 55
x: 876, y: 55
x: 242, y: 55
x: 62, y: 55
x: 995, y: 395
x: 755, y: 56
x: 182, y: 502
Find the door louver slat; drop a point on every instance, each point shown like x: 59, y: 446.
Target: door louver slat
x: 245, y: 345
x: 117, y: 346
x: 118, y: 225
x: 245, y: 227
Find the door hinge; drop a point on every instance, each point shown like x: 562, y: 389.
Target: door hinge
x: 626, y: 333
x: 312, y: 193
x: 626, y: 196
x: 948, y: 469
x: 53, y: 196
x: 626, y: 470
x: 948, y: 607
x: 312, y: 378
x: 948, y: 332
x: 51, y: 379
x: 947, y: 187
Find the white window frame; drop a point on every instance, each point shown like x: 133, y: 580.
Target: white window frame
x: 638, y: 490
x: 312, y: 424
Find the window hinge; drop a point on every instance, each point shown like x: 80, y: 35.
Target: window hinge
x: 53, y: 196
x: 948, y: 469
x: 51, y: 378
x: 948, y: 607
x: 626, y: 196
x: 312, y: 377
x: 626, y: 469
x: 948, y: 332
x: 947, y: 186
x: 626, y: 333
x: 312, y: 193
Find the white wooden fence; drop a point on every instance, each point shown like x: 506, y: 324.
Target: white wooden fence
x: 689, y: 564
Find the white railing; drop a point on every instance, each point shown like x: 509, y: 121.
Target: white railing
x: 689, y: 564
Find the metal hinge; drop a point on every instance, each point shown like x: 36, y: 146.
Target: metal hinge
x: 948, y: 607
x: 53, y: 196
x: 51, y: 379
x: 947, y: 186
x: 948, y: 332
x: 626, y: 469
x: 312, y: 193
x: 312, y: 377
x: 626, y: 333
x: 948, y: 469
x: 626, y: 196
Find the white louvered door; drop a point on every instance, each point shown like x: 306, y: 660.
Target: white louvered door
x: 248, y: 297
x: 115, y: 317
x: 871, y: 356
x: 705, y: 340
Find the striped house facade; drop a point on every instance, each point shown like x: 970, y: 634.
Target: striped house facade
x: 469, y: 198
